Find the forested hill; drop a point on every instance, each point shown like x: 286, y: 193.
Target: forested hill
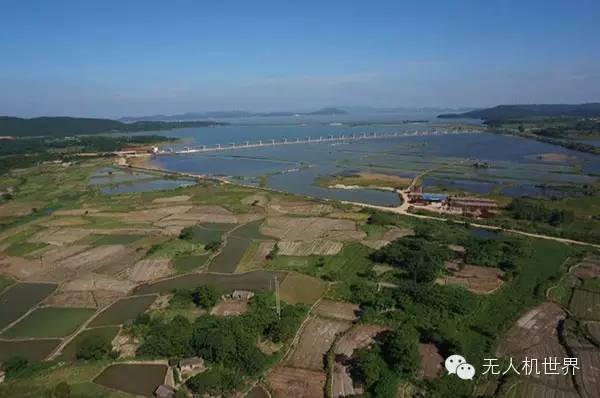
x: 508, y: 112
x: 68, y: 126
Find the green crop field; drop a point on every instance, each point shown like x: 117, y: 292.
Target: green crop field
x: 49, y: 322
x: 24, y: 248
x: 19, y: 298
x: 70, y: 350
x: 123, y: 310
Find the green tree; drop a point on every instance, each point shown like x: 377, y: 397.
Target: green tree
x: 205, y: 296
x: 94, y: 347
x: 400, y: 350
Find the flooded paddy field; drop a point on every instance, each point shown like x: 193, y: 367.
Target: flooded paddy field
x: 19, y: 298
x: 48, y: 322
x: 123, y: 310
x: 255, y: 280
x: 33, y: 350
x: 136, y: 379
x: 230, y: 256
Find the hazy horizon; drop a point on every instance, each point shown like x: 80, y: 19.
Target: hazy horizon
x: 114, y: 60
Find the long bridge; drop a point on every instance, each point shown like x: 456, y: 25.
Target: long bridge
x: 298, y: 140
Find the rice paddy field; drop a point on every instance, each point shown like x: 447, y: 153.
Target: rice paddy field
x: 135, y: 379
x: 123, y: 310
x: 46, y: 322
x: 19, y: 298
x: 34, y: 350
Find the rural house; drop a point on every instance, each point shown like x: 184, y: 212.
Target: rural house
x: 191, y: 364
x: 242, y: 294
x: 164, y: 391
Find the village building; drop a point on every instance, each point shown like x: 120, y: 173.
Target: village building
x: 478, y: 207
x: 242, y: 294
x: 164, y: 391
x: 191, y: 365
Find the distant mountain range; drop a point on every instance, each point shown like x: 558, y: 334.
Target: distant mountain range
x: 230, y: 114
x: 508, y: 112
x: 69, y: 126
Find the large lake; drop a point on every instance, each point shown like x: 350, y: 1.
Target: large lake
x: 515, y: 167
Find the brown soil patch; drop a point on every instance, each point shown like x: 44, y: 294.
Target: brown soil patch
x: 535, y: 327
x: 360, y: 336
x: 337, y: 310
x: 349, y: 216
x: 230, y: 308
x: 588, y: 376
x: 345, y: 236
x: 312, y: 248
x: 479, y: 280
x: 289, y: 382
x: 303, y: 208
x: 96, y: 282
x: 88, y: 260
x: 20, y: 268
x: 304, y: 229
x: 381, y: 269
x: 72, y: 299
x: 14, y: 209
x: 147, y: 270
x: 343, y: 386
x: 172, y: 199
x: 59, y: 237
x: 587, y: 268
x: 431, y: 361
x: 316, y: 339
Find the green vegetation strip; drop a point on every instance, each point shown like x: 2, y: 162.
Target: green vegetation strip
x: 48, y: 322
x: 19, y: 298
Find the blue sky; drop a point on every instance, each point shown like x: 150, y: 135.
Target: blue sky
x: 115, y: 58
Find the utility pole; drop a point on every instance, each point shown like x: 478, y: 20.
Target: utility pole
x: 277, y: 300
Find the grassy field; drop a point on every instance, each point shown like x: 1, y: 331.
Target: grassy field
x: 48, y: 322
x: 123, y: 310
x: 70, y: 350
x: 19, y: 298
x: 345, y: 266
x: 34, y: 350
x: 117, y: 239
